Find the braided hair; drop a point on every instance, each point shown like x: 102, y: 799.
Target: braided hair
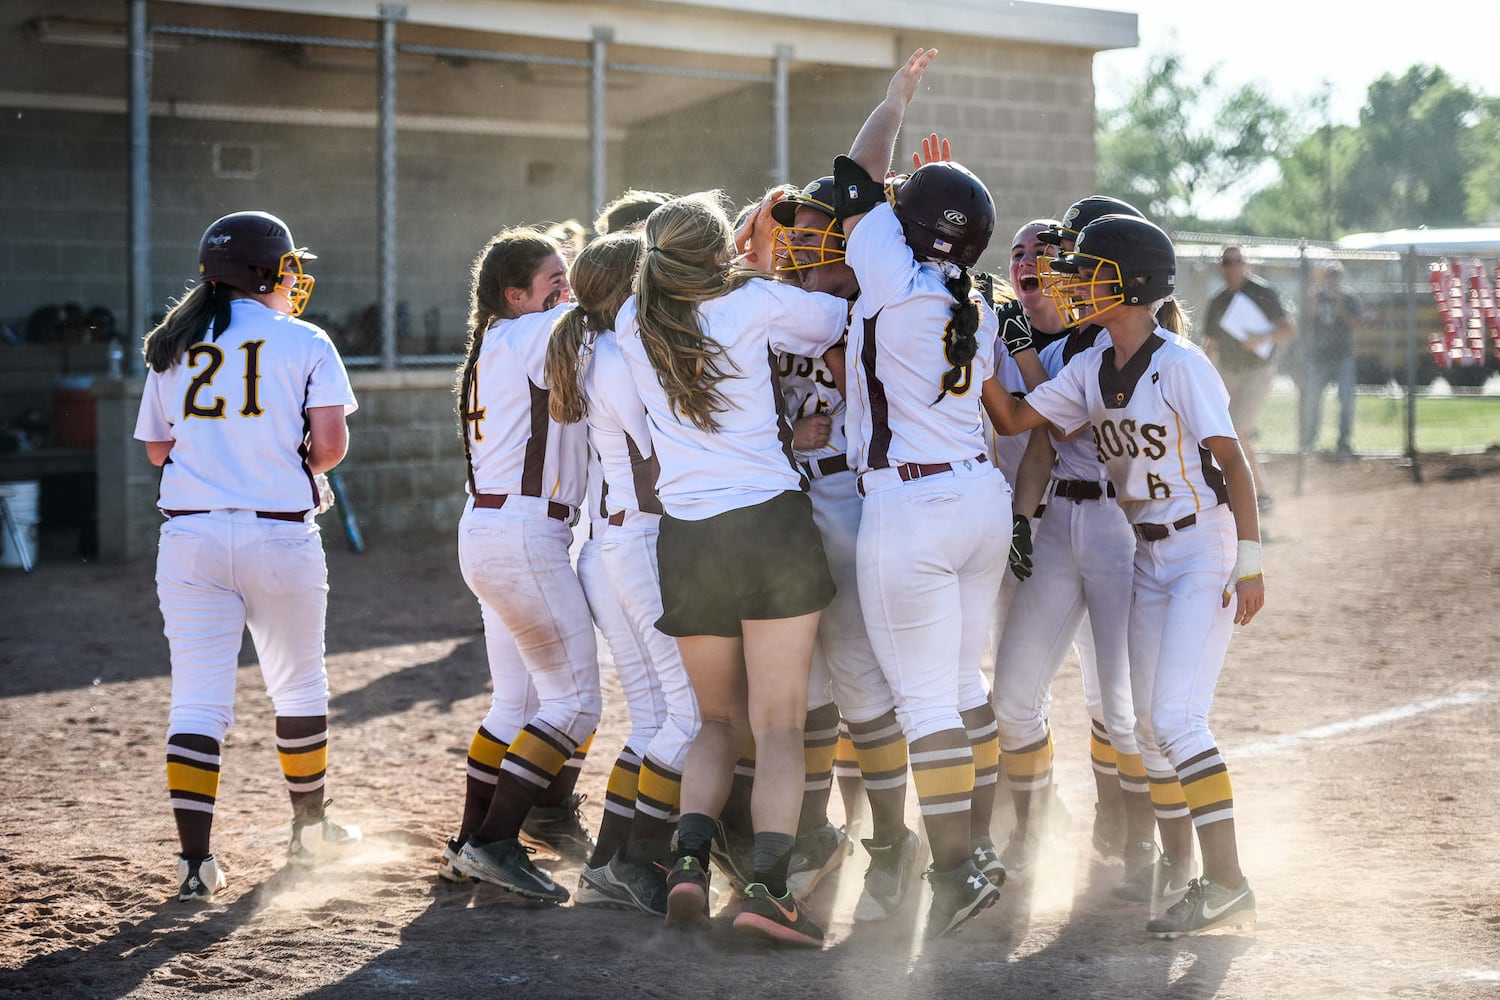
x: 510, y: 259
x: 960, y: 340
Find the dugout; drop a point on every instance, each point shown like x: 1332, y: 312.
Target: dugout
x: 395, y: 138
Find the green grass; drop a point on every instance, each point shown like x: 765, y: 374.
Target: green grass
x: 1445, y: 424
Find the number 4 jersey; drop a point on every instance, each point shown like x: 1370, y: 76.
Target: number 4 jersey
x: 1149, y: 420
x: 234, y: 407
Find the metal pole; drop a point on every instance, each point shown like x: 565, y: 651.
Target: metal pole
x: 1300, y: 350
x: 598, y: 120
x: 386, y: 183
x: 781, y: 167
x: 1410, y: 268
x: 140, y: 186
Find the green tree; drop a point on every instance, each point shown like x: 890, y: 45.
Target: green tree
x: 1411, y: 132
x: 1177, y: 142
x: 1426, y: 151
x: 1482, y: 149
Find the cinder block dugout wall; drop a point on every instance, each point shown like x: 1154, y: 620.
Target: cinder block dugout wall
x: 404, y: 471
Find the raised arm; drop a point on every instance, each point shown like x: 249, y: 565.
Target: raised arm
x: 871, y: 152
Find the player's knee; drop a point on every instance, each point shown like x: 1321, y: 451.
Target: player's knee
x: 200, y: 720
x: 922, y: 721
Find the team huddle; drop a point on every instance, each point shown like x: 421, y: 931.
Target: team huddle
x: 826, y: 464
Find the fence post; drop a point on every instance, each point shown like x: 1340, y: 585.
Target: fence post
x: 385, y: 214
x: 1411, y: 364
x: 1299, y: 349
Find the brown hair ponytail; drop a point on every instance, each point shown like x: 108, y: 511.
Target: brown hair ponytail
x: 688, y: 259
x: 600, y: 278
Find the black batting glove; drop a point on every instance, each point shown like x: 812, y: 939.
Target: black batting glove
x: 1020, y: 547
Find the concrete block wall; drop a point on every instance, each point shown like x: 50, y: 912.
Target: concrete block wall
x: 405, y: 469
x: 126, y: 487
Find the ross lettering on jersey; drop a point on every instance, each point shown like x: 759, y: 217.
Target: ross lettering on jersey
x: 1156, y: 487
x: 1126, y: 438
x: 252, y: 378
x: 203, y: 380
x: 1155, y: 437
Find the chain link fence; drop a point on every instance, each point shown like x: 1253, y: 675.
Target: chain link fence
x: 1404, y: 405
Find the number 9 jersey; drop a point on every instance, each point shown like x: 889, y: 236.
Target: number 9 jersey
x: 234, y: 408
x: 1149, y: 420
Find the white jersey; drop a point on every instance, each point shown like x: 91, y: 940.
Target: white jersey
x: 235, y: 408
x: 619, y: 431
x: 514, y: 446
x: 1149, y: 422
x: 749, y: 459
x: 1006, y: 450
x: 897, y: 357
x: 808, y: 389
x: 1077, y: 457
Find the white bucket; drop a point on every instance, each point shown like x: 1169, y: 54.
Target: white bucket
x: 22, y: 500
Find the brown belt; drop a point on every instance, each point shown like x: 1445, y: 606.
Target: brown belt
x: 1082, y: 489
x: 494, y: 501
x: 269, y: 515
x: 916, y: 470
x: 830, y: 466
x: 617, y: 518
x: 1156, y: 532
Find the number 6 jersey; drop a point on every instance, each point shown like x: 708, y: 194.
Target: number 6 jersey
x: 234, y: 407
x: 1149, y: 421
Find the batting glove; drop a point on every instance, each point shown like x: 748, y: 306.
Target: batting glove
x: 1020, y: 547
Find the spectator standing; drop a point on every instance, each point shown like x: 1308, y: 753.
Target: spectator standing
x: 1330, y: 358
x: 1243, y: 325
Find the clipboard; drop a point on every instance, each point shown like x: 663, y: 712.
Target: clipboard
x: 1243, y: 319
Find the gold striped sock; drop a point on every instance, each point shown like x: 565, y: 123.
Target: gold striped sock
x: 845, y: 764
x: 620, y: 790
x: 193, y: 774
x: 1132, y: 771
x: 660, y: 791
x: 485, y: 755
x: 1029, y: 768
x: 538, y: 754
x: 1206, y: 787
x: 984, y: 741
x: 1167, y: 798
x: 304, y: 760
x: 944, y: 779
x: 880, y: 747
x: 820, y: 741
x: 1101, y: 752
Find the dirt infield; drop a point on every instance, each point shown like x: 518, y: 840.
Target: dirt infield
x: 1360, y: 715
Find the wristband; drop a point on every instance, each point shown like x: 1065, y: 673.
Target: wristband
x: 1246, y: 564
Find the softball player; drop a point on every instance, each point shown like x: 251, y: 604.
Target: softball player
x: 526, y: 477
x: 1159, y: 417
x: 243, y: 406
x: 743, y: 574
x: 934, y: 531
x: 845, y: 670
x: 589, y: 378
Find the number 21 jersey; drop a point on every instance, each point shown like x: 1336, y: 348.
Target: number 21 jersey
x: 235, y: 407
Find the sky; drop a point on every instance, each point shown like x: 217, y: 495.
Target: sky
x: 1290, y: 47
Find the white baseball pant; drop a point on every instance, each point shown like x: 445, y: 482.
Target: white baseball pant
x: 930, y: 555
x: 1179, y: 633
x: 515, y: 560
x: 1082, y: 555
x: 843, y: 657
x: 221, y: 571
x: 661, y: 687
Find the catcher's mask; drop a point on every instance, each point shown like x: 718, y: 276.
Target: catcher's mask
x: 798, y: 248
x: 1119, y: 260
